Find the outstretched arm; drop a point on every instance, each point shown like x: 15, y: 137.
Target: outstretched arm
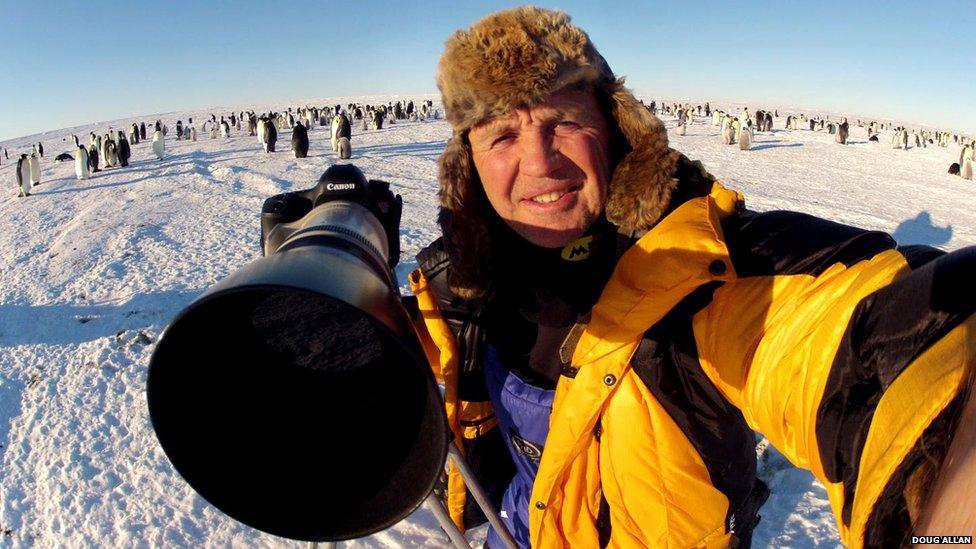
x: 851, y: 356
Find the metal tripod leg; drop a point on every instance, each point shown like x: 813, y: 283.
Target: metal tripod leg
x: 479, y: 495
x: 437, y: 507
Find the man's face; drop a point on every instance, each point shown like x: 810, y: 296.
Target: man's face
x: 546, y: 169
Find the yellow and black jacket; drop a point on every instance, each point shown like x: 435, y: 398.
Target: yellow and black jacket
x: 838, y: 346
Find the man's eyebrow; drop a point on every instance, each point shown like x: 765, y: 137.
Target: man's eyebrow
x: 552, y: 113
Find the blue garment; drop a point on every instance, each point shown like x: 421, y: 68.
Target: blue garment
x: 523, y: 412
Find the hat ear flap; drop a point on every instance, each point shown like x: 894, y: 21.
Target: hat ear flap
x: 463, y: 218
x: 642, y: 181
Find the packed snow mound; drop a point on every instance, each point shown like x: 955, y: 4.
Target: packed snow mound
x: 94, y: 270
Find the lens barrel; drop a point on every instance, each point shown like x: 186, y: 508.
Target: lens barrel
x: 294, y: 394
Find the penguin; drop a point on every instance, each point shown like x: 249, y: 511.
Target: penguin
x: 251, y: 125
x: 193, y: 132
x: 335, y: 133
x: 40, y: 148
x: 843, y: 130
x: 23, y: 176
x: 345, y: 148
x: 133, y: 134
x: 270, y: 136
x: 63, y: 157
x: 299, y: 140
x: 728, y: 132
x: 165, y: 130
x: 158, y: 146
x: 966, y: 170
x: 111, y: 153
x: 142, y: 131
x: 224, y: 129
x: 262, y: 130
x: 35, y: 170
x: 745, y: 138
x: 6, y: 154
x: 81, y: 163
x: 179, y: 130
x: 93, y: 159
x: 123, y: 150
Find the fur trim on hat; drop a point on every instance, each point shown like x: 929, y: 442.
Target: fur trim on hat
x: 517, y: 58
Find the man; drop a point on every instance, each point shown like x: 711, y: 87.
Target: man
x: 611, y: 324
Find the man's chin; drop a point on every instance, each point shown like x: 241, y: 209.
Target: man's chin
x: 545, y: 237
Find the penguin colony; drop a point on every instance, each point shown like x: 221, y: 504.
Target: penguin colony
x: 740, y: 128
x: 114, y: 148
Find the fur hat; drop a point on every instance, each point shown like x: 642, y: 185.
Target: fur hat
x: 520, y: 57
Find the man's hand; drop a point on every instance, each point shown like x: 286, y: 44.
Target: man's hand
x: 950, y: 510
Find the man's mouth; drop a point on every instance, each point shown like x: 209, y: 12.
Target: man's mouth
x: 553, y: 196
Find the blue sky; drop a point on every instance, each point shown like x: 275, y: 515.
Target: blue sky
x: 71, y: 63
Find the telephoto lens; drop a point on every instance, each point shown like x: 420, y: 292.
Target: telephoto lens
x: 294, y: 395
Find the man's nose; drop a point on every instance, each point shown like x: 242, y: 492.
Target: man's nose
x: 539, y: 154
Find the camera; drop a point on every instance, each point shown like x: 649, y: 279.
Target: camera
x: 294, y: 395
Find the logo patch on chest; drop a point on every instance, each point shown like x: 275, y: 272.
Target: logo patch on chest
x: 526, y: 448
x: 578, y: 250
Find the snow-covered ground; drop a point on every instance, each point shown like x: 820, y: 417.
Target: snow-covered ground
x: 93, y: 270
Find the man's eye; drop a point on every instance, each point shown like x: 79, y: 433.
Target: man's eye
x: 502, y: 139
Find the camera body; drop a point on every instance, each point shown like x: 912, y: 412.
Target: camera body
x: 287, y: 215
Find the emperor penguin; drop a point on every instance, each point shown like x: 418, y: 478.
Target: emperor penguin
x: 35, y: 170
x: 251, y: 125
x: 123, y: 150
x: 142, y: 131
x: 109, y: 153
x: 6, y: 154
x: 193, y: 132
x: 158, y: 146
x: 843, y: 130
x: 23, y: 176
x: 261, y: 128
x: 179, y: 130
x: 966, y: 171
x: 81, y: 163
x: 299, y: 140
x: 345, y: 148
x: 267, y: 134
x: 340, y: 128
x: 745, y: 137
x: 727, y: 131
x: 103, y: 152
x: 335, y: 133
x: 224, y: 129
x: 40, y: 148
x: 93, y: 159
